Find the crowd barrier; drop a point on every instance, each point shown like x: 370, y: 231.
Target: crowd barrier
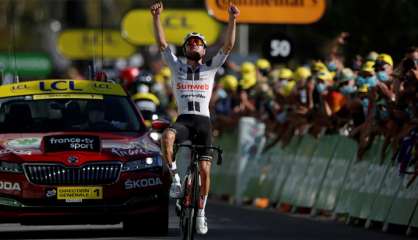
x: 322, y: 175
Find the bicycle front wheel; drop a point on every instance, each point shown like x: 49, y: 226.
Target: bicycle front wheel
x: 187, y: 210
x: 188, y: 224
x: 191, y: 212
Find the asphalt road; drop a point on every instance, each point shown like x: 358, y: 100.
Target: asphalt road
x: 225, y: 222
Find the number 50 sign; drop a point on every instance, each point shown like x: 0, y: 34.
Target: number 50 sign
x: 278, y: 48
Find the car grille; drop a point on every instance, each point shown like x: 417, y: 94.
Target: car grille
x: 56, y: 174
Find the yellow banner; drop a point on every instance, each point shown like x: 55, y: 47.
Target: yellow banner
x: 137, y: 26
x: 79, y: 193
x: 87, y: 44
x: 270, y: 11
x: 59, y: 87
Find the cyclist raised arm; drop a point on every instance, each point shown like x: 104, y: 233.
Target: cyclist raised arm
x: 230, y: 33
x: 156, y: 10
x: 192, y: 84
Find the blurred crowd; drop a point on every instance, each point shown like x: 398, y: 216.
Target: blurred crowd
x: 372, y: 97
x: 368, y: 97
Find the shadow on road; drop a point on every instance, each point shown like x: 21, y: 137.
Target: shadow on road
x: 78, y: 233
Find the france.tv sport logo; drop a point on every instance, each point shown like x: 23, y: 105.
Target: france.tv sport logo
x: 72, y: 143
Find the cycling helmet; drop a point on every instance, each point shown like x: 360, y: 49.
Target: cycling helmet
x: 143, y: 82
x: 144, y: 77
x: 195, y: 35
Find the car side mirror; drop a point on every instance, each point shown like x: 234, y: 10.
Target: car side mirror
x: 159, y: 125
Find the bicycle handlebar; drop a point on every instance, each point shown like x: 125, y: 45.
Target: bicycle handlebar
x: 194, y: 147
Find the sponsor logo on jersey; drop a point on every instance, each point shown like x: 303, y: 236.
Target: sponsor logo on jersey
x: 186, y: 86
x: 192, y: 96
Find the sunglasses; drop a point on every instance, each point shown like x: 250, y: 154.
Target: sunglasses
x: 195, y: 41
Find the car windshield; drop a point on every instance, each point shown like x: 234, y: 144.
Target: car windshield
x: 110, y: 114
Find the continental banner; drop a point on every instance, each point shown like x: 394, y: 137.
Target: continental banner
x: 269, y: 11
x: 137, y: 26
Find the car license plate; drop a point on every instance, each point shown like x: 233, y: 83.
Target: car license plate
x: 79, y: 193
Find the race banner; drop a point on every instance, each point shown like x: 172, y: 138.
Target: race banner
x: 271, y: 12
x: 137, y: 26
x: 84, y: 44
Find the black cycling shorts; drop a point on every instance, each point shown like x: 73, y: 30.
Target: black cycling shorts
x: 196, y: 128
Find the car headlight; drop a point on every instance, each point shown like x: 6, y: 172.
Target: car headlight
x: 146, y: 163
x: 155, y: 136
x: 10, y: 167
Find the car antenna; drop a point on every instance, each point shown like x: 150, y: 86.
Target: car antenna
x: 102, y: 32
x: 91, y: 70
x: 2, y: 67
x: 12, y: 46
x: 93, y: 48
x: 101, y: 75
x: 94, y: 41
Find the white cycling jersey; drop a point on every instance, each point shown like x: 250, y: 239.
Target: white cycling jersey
x: 193, y: 88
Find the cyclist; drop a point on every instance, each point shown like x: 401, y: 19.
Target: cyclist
x: 192, y: 84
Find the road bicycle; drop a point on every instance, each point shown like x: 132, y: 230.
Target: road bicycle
x: 187, y: 205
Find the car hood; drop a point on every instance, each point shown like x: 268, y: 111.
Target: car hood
x: 85, y: 147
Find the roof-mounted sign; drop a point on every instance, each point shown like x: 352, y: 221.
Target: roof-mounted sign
x: 269, y: 11
x: 60, y: 86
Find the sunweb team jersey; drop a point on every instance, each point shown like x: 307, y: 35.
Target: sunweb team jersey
x: 192, y: 88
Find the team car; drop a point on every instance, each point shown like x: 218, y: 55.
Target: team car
x: 78, y: 152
